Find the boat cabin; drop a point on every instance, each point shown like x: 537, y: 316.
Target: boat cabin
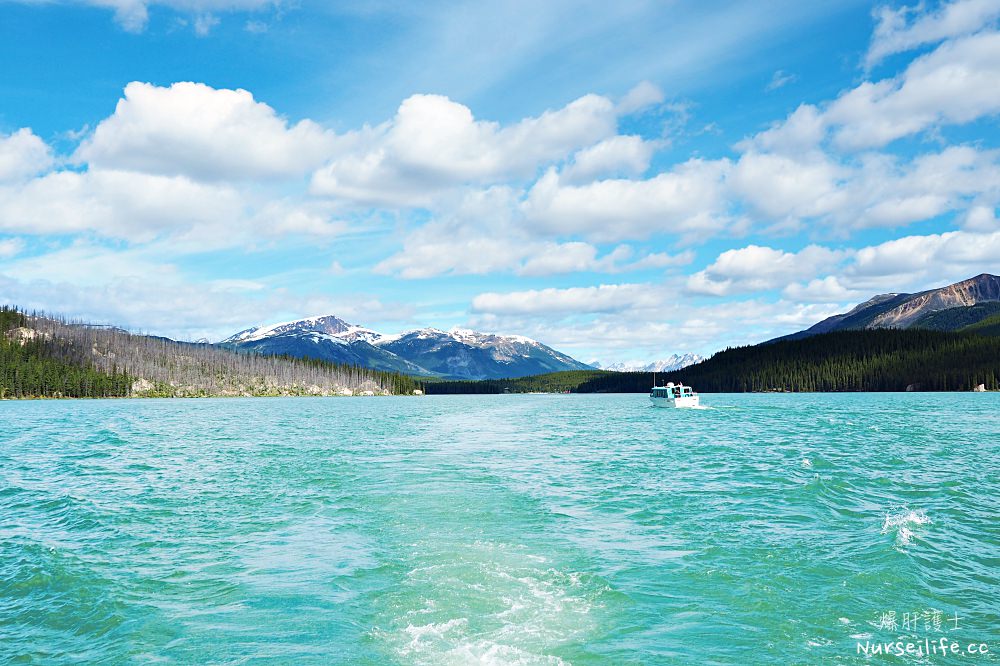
x: 670, y: 391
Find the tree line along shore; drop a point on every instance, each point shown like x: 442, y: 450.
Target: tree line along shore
x: 862, y: 360
x: 47, y: 357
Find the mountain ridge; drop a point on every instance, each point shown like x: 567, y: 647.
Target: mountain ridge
x: 672, y: 362
x: 459, y: 353
x: 908, y: 310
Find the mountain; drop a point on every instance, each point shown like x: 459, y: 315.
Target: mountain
x: 673, y: 362
x: 329, y: 339
x: 879, y: 359
x: 43, y: 356
x: 455, y: 354
x: 948, y: 308
x: 464, y: 354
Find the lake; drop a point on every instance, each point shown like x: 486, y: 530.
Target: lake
x: 512, y: 529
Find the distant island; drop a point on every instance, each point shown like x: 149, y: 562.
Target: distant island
x: 945, y: 339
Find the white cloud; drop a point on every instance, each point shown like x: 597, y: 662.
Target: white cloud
x: 911, y: 263
x: 809, y: 185
x: 576, y: 300
x: 11, y: 247
x: 885, y: 193
x: 756, y: 268
x: 203, y: 24
x: 650, y: 321
x: 981, y: 218
x: 204, y: 133
x: 943, y: 255
x: 642, y: 96
x: 803, y: 130
x: 22, y: 155
x: 141, y: 289
x: 829, y: 289
x: 780, y: 79
x: 906, y: 28
x: 115, y: 204
x: 139, y: 208
x: 433, y: 144
x: 956, y: 83
x: 133, y: 15
x: 686, y: 201
x: 617, y: 156
x: 485, y: 234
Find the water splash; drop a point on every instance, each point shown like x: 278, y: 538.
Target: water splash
x: 903, y: 522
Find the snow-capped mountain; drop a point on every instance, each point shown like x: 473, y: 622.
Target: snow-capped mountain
x: 674, y: 362
x: 457, y: 354
x: 466, y: 354
x: 326, y: 338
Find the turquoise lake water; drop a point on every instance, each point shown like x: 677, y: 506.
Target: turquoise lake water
x: 532, y: 529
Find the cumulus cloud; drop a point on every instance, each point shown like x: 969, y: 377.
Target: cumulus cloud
x: 642, y: 96
x: 910, y: 263
x: 602, y: 298
x: 434, y: 143
x: 687, y: 200
x: 616, y: 156
x: 953, y: 84
x: 194, y: 130
x: 486, y: 234
x: 22, y: 155
x: 956, y: 83
x: 756, y: 268
x: 144, y: 288
x: 139, y: 208
x: 647, y: 319
x: 829, y: 289
x: 981, y: 218
x: 872, y: 190
x: 946, y: 254
x: 803, y: 130
x: 809, y: 185
x: 908, y: 27
x: 115, y: 204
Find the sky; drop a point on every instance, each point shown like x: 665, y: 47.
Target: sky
x: 621, y: 181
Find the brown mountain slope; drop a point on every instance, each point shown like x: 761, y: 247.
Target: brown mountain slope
x: 979, y: 289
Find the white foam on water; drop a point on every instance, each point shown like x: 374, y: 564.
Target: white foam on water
x: 424, y: 634
x: 525, y: 609
x: 806, y: 462
x: 903, y: 522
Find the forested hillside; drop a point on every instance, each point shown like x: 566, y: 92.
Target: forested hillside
x: 865, y: 360
x: 43, y: 356
x: 32, y: 365
x: 553, y: 382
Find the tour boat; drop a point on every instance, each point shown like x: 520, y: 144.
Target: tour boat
x: 673, y: 395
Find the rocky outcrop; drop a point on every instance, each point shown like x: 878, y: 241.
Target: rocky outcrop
x: 979, y: 289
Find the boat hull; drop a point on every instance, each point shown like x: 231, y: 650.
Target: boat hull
x: 670, y: 403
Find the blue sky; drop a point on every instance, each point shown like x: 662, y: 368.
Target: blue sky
x: 622, y: 183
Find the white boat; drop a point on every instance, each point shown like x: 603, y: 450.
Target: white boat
x: 673, y: 395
